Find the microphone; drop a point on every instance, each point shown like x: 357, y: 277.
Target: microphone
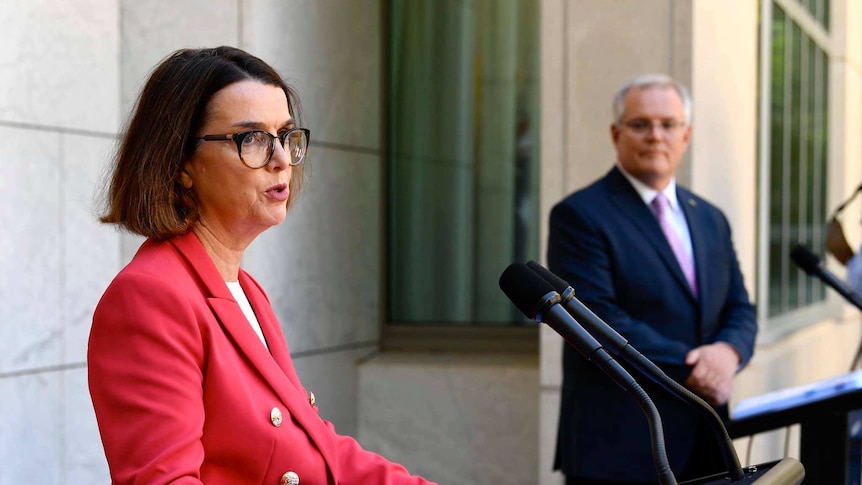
x: 537, y: 299
x: 620, y: 347
x: 811, y: 264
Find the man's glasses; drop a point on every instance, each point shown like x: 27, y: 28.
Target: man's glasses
x: 640, y: 127
x: 255, y: 147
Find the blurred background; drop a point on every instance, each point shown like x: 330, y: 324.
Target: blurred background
x: 442, y: 133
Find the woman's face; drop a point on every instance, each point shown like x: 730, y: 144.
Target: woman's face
x: 236, y: 201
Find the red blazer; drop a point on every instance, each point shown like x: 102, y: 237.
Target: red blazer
x: 186, y: 393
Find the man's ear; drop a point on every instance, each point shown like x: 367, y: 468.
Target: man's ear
x: 687, y: 134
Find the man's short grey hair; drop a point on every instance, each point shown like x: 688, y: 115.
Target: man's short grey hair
x: 651, y: 81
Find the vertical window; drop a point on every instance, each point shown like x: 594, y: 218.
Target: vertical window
x: 818, y: 9
x: 462, y: 156
x: 793, y: 154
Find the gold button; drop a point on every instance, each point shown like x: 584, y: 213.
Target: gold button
x: 311, y: 398
x: 275, y: 417
x: 290, y: 478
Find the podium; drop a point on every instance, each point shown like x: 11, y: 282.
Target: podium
x: 829, y: 413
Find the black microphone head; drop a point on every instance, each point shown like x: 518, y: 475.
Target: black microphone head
x: 558, y: 283
x: 805, y: 259
x: 526, y: 289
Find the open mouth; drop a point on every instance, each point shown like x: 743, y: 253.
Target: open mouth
x: 278, y: 192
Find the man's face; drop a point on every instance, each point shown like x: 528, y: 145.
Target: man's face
x: 652, y: 135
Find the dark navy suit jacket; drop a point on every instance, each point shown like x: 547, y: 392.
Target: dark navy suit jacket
x: 606, y: 242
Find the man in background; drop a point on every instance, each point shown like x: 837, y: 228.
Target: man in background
x: 657, y: 263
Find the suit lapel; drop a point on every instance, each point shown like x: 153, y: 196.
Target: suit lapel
x: 236, y: 326
x: 291, y: 393
x: 270, y: 327
x: 632, y: 207
x: 699, y: 237
x: 276, y: 369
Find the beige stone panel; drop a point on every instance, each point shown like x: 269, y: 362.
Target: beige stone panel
x: 330, y: 51
x: 91, y: 250
x: 478, y: 416
x: 153, y: 29
x: 845, y: 144
x: 31, y: 431
x: 554, y: 167
x: 723, y: 162
x: 84, y: 456
x: 608, y: 43
x: 59, y: 63
x: 551, y: 345
x: 549, y: 406
x: 31, y: 216
x: 846, y: 35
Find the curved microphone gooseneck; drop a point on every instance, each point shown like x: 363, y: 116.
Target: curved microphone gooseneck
x: 537, y: 299
x: 619, y: 346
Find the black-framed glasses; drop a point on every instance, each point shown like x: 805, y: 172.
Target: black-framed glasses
x: 255, y: 147
x: 643, y: 127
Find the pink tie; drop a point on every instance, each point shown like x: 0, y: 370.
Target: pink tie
x: 662, y: 208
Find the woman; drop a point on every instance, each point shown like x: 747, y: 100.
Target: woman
x: 189, y: 373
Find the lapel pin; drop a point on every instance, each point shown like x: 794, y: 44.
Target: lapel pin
x: 692, y: 202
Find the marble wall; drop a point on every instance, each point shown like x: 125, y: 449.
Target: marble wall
x: 59, y: 99
x: 468, y: 418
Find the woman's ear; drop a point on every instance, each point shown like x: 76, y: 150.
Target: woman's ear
x: 185, y: 177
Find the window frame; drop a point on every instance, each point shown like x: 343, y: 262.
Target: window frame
x: 774, y: 328
x: 398, y: 336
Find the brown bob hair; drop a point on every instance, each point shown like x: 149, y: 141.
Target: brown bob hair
x: 144, y: 195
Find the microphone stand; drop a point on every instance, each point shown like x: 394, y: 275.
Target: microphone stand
x: 812, y: 265
x: 619, y: 346
x: 537, y: 299
x: 534, y: 295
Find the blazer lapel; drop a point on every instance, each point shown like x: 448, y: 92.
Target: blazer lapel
x: 699, y: 237
x: 276, y: 369
x: 270, y: 327
x: 632, y: 207
x: 301, y: 407
x: 291, y: 393
x: 236, y: 326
